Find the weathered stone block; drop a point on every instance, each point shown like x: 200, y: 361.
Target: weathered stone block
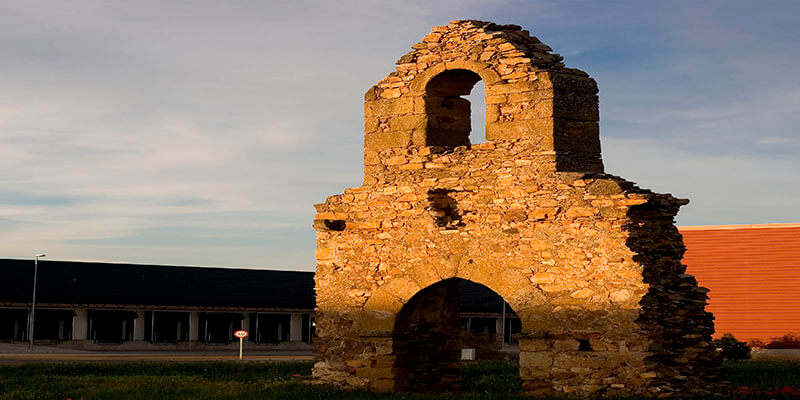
x: 385, y: 140
x: 566, y: 345
x: 379, y: 373
x: 399, y: 106
x: 382, y: 385
x: 325, y: 254
x: 514, y: 130
x: 535, y: 345
x: 516, y: 87
x: 531, y: 359
x: 408, y: 122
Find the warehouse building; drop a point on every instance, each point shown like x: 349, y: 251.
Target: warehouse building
x: 753, y: 274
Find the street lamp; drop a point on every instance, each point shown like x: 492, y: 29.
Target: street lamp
x: 33, y: 303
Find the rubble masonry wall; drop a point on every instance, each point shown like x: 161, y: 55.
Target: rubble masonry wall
x: 581, y: 256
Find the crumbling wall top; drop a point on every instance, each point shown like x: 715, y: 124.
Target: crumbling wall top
x: 531, y: 97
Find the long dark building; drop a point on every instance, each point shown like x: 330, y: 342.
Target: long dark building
x: 85, y: 304
x: 89, y: 305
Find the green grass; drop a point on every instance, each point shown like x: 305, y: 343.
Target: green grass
x: 763, y: 375
x: 286, y: 380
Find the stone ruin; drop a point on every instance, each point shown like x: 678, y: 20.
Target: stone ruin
x: 589, y: 262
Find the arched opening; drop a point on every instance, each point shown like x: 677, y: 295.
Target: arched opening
x: 450, y: 114
x: 444, y: 323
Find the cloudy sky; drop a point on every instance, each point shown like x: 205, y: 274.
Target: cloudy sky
x: 201, y: 133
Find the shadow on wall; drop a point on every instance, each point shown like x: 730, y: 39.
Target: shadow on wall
x: 673, y: 312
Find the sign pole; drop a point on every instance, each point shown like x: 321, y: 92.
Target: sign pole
x: 241, y: 334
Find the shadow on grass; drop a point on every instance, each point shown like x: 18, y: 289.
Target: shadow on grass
x: 288, y: 380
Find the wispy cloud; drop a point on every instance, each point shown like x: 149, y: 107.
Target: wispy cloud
x: 724, y: 189
x: 778, y: 140
x: 202, y: 133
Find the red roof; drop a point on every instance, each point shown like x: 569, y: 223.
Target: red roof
x: 753, y: 272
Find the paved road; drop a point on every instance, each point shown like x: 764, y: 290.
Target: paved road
x: 22, y: 358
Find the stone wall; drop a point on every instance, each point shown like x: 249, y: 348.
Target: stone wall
x: 589, y: 262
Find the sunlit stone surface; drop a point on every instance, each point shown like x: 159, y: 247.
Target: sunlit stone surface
x: 589, y: 262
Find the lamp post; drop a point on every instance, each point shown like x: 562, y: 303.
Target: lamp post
x: 503, y: 328
x: 33, y: 302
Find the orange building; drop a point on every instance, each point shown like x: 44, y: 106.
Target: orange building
x: 753, y: 272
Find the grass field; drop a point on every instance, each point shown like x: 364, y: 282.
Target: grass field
x: 285, y: 380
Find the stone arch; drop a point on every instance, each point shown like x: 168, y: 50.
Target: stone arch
x: 486, y: 72
x: 424, y: 346
x: 513, y: 286
x: 448, y: 115
x: 428, y: 336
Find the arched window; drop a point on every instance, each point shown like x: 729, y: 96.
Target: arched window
x: 449, y: 112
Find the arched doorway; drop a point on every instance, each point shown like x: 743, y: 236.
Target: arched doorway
x: 432, y: 330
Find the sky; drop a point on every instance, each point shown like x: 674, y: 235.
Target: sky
x: 202, y: 132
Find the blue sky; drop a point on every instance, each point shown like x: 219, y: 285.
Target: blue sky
x: 201, y: 133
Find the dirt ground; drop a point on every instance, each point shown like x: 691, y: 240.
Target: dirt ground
x: 776, y: 354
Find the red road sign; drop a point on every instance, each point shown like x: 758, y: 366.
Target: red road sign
x: 240, y: 334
